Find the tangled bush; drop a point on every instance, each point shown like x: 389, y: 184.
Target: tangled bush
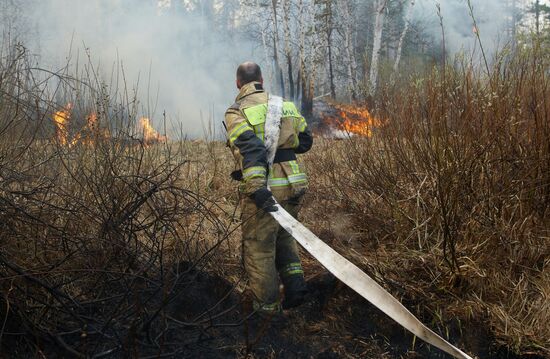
x: 451, y: 195
x: 84, y: 265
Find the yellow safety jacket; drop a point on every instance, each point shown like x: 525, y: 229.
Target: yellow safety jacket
x: 245, y: 121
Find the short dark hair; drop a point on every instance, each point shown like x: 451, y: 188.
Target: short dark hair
x: 248, y: 72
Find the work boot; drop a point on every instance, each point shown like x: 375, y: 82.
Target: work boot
x: 263, y: 322
x: 267, y: 313
x: 294, y: 299
x: 295, y: 288
x: 295, y: 291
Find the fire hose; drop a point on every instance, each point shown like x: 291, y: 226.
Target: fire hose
x: 339, y: 266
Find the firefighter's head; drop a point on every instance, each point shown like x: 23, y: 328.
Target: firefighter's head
x: 248, y: 72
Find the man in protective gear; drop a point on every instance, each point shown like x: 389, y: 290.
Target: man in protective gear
x: 269, y: 252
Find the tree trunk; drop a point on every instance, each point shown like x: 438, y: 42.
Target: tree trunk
x: 266, y: 51
x: 288, y: 51
x: 302, y: 72
x: 290, y: 77
x: 537, y: 16
x: 331, y: 73
x: 278, y: 70
x: 408, y: 17
x: 349, y: 46
x: 297, y: 88
x: 510, y: 29
x: 329, y: 46
x: 307, y: 98
x: 377, y: 45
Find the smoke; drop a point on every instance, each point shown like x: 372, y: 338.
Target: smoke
x: 184, y: 65
x: 184, y: 61
x: 492, y: 18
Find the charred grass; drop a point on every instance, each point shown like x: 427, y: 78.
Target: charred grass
x: 122, y: 249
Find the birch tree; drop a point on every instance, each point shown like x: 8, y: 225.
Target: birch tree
x: 288, y: 49
x: 408, y: 18
x: 278, y: 69
x: 349, y: 31
x: 308, y: 54
x: 377, y: 44
x: 263, y: 33
x: 328, y: 17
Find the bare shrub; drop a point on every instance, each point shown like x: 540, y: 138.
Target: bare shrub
x: 87, y: 222
x: 451, y: 195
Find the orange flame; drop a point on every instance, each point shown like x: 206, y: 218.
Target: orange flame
x: 150, y: 135
x: 61, y: 119
x: 91, y: 132
x: 353, y: 120
x: 88, y: 135
x: 91, y: 122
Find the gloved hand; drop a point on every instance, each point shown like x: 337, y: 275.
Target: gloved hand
x: 264, y: 200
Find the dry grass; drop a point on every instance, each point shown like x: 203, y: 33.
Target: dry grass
x: 450, y: 199
x: 98, y: 238
x: 447, y: 205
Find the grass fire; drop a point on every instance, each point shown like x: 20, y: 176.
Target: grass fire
x: 92, y: 131
x: 150, y: 135
x: 373, y: 181
x: 349, y: 120
x: 61, y: 119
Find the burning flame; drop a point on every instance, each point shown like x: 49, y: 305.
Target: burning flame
x: 88, y: 135
x: 91, y: 122
x: 353, y: 120
x: 91, y: 133
x: 150, y: 135
x: 61, y: 120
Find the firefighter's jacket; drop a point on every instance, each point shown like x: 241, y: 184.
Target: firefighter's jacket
x: 245, y: 121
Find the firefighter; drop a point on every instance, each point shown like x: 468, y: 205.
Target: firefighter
x: 270, y: 253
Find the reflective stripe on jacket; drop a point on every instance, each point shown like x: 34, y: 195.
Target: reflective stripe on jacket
x: 245, y: 121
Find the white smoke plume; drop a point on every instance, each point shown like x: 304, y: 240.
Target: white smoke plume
x: 492, y: 18
x: 184, y: 65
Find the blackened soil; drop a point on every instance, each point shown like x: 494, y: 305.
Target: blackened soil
x: 207, y: 319
x: 334, y: 323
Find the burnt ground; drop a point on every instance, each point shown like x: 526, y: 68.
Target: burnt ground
x: 335, y: 323
x: 207, y: 317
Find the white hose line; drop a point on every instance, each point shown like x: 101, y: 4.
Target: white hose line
x: 343, y: 269
x: 272, y: 127
x: 360, y: 282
